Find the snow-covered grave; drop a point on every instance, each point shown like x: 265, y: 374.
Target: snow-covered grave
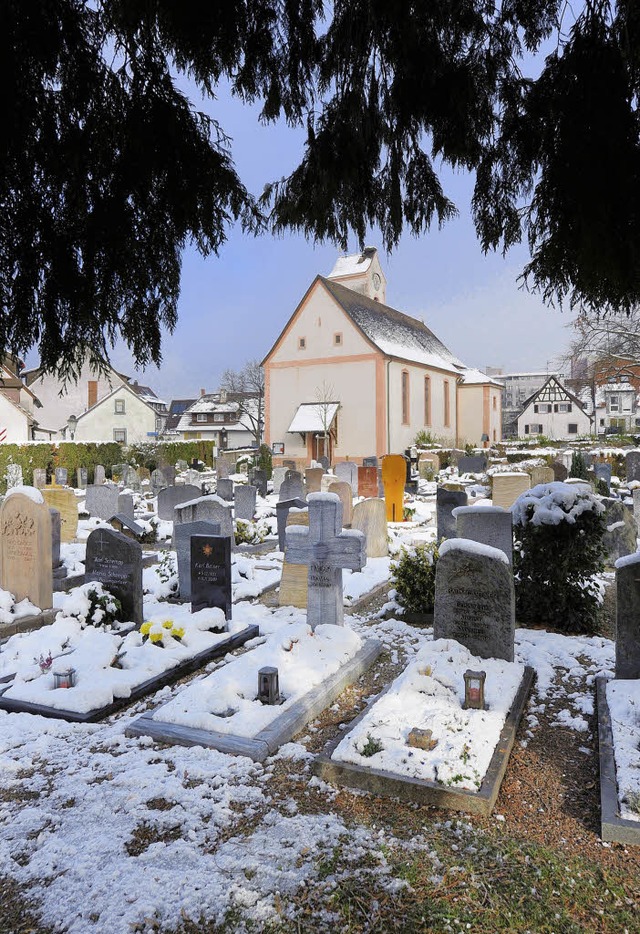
x: 461, y: 762
x: 112, y: 668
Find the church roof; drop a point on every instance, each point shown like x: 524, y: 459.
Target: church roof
x: 354, y: 264
x: 392, y: 332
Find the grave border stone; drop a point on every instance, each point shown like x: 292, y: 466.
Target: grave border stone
x: 613, y: 827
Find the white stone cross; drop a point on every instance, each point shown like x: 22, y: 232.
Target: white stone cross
x: 326, y: 548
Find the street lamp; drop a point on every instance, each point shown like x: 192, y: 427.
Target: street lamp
x: 223, y: 438
x: 72, y: 424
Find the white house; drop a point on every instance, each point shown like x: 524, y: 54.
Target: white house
x: 555, y: 412
x: 18, y: 407
x: 350, y: 376
x: 123, y: 415
x: 220, y: 417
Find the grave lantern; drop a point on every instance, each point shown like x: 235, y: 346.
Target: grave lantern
x: 64, y: 679
x: 474, y: 689
x: 268, y: 686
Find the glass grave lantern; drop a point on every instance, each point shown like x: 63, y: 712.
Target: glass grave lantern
x: 268, y: 686
x: 474, y: 689
x: 65, y: 678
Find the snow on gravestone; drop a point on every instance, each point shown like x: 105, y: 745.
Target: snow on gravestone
x: 348, y: 471
x: 370, y: 518
x: 116, y: 562
x: 326, y: 549
x: 208, y: 509
x: 172, y: 496
x: 489, y: 525
x: 628, y: 617
x: 211, y: 573
x: 621, y: 532
x: 25, y: 548
x: 64, y: 500
x: 245, y: 502
x: 282, y: 515
x: 633, y: 465
x: 446, y: 502
x: 182, y: 535
x: 474, y: 599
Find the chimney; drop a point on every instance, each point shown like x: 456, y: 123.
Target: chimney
x: 202, y: 393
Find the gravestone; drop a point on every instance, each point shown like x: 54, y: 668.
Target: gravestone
x: 343, y: 489
x: 325, y: 482
x: 127, y: 525
x: 628, y: 617
x: 560, y: 472
x: 636, y: 506
x: 98, y: 474
x: 258, y: 477
x: 64, y: 500
x: 101, y: 501
x: 58, y: 569
x: 475, y: 463
x: 194, y: 477
x: 245, y: 502
x: 446, y: 502
x: 82, y: 475
x: 182, y: 534
x: 348, y: 471
x: 61, y: 475
x: 368, y: 482
x: 370, y: 518
x: 125, y: 505
x: 277, y: 478
x: 489, y: 525
x: 117, y: 472
x: 25, y: 549
x: 293, y: 474
x: 455, y: 455
x: 621, y: 535
x: 432, y: 459
x: 603, y: 472
x: 39, y: 478
x: 326, y: 550
x: 14, y: 475
x: 425, y: 470
x: 293, y: 582
x: 633, y: 466
x: 380, y: 483
x: 182, y: 464
x: 370, y: 461
x: 144, y: 473
x: 474, y: 599
x: 507, y: 487
x: 158, y: 481
x: 313, y: 479
x: 224, y: 489
x: 224, y: 466
x: 289, y: 464
x: 291, y: 488
x: 172, y: 496
x: 211, y: 573
x: 131, y: 479
x: 324, y: 462
x: 394, y: 474
x: 116, y: 562
x: 282, y: 515
x: 541, y: 475
x: 207, y: 509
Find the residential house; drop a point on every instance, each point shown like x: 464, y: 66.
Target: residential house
x: 517, y: 389
x: 555, y: 412
x: 18, y: 405
x: 124, y: 415
x: 349, y: 376
x: 226, y: 418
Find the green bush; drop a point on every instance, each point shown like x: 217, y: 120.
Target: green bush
x: 558, y: 551
x: 578, y: 466
x: 265, y: 461
x: 29, y: 456
x: 413, y: 574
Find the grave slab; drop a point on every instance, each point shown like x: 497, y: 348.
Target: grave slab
x: 613, y: 827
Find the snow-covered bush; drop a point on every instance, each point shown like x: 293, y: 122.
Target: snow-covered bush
x: 558, y: 530
x: 251, y: 533
x: 413, y: 574
x: 92, y: 605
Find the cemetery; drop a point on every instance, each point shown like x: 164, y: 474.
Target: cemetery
x: 351, y: 635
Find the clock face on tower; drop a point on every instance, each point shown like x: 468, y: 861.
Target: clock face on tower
x: 376, y: 280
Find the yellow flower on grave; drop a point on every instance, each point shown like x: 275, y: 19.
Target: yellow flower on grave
x: 144, y: 629
x: 156, y: 637
x: 167, y: 624
x: 177, y: 632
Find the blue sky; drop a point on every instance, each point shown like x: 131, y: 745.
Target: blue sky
x: 232, y: 307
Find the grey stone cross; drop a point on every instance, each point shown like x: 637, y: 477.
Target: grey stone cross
x: 326, y: 548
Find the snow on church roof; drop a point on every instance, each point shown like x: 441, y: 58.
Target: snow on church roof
x: 353, y: 264
x: 394, y: 333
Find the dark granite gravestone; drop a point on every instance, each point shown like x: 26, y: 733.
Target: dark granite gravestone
x: 224, y: 489
x: 61, y: 474
x: 125, y: 505
x: 258, y: 478
x: 211, y: 573
x: 370, y: 461
x: 291, y: 488
x: 474, y: 600
x: 489, y: 525
x: 446, y: 502
x: 324, y: 462
x: 125, y: 524
x: 208, y: 509
x: 245, y: 502
x: 82, y: 475
x: 289, y: 464
x: 182, y: 535
x: 116, y: 562
x: 628, y: 617
x: 603, y: 472
x: 172, y: 496
x: 282, y: 513
x: 476, y: 463
x: 633, y: 465
x: 560, y: 472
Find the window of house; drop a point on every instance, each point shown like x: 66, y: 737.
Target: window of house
x: 405, y: 397
x: 337, y: 339
x: 602, y: 422
x: 526, y: 429
x: 614, y: 403
x: 447, y: 405
x: 119, y: 406
x: 427, y: 400
x: 120, y: 435
x: 495, y: 406
x: 92, y: 392
x: 218, y: 416
x: 572, y: 428
x: 302, y: 343
x: 495, y: 436
x: 201, y: 416
x: 535, y: 408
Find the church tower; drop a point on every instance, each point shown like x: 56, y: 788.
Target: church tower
x: 363, y: 273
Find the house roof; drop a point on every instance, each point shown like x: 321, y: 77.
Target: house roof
x: 146, y: 394
x: 567, y: 392
x: 473, y: 377
x: 104, y: 399
x: 313, y: 416
x: 393, y: 332
x: 20, y: 408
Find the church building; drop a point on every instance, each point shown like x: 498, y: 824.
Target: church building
x: 350, y: 377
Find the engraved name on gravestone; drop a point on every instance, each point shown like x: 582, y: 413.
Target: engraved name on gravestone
x: 39, y: 478
x: 446, y: 502
x: 224, y: 489
x: 14, y: 475
x: 245, y: 502
x: 633, y: 465
x: 182, y: 535
x: 325, y: 548
x: 474, y: 599
x: 25, y: 549
x: 116, y: 562
x: 628, y: 617
x: 489, y: 525
x: 348, y: 471
x: 211, y: 573
x: 172, y: 496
